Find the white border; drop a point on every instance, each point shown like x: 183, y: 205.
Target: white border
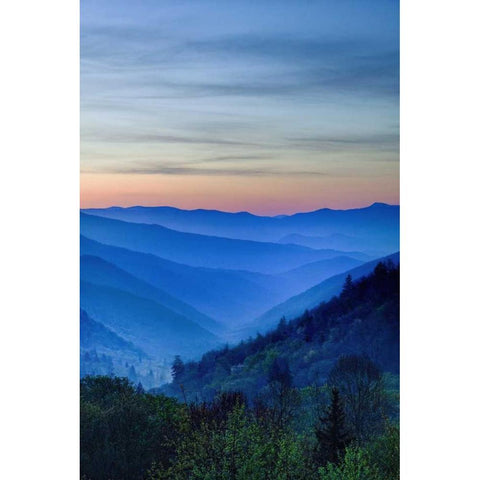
x: 39, y: 90
x: 439, y: 241
x: 39, y: 205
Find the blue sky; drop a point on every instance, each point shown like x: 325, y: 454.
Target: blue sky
x: 296, y: 97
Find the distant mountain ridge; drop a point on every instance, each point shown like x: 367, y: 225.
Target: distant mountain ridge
x: 228, y: 296
x: 378, y: 222
x: 197, y: 250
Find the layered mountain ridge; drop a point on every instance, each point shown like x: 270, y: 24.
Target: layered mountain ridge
x: 174, y: 282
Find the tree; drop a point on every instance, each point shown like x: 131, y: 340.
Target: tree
x: 331, y: 433
x: 360, y: 383
x: 309, y: 327
x: 281, y: 399
x: 282, y: 329
x: 347, y: 286
x: 123, y: 432
x: 348, y: 293
x: 385, y: 452
x: 178, y: 368
x: 280, y: 372
x: 357, y: 465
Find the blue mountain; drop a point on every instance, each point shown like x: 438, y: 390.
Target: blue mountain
x: 311, y: 274
x: 104, y: 352
x: 231, y: 297
x: 157, y: 330
x: 375, y: 227
x: 375, y: 245
x: 96, y: 336
x: 198, y: 250
x: 98, y: 271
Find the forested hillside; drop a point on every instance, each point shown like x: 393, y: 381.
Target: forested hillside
x: 316, y: 398
x: 362, y: 320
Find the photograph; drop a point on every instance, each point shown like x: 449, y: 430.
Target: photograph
x: 202, y: 233
x: 239, y: 271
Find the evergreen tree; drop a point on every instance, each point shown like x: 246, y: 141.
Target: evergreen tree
x: 309, y: 327
x: 348, y: 287
x: 178, y: 368
x: 282, y: 328
x: 331, y: 434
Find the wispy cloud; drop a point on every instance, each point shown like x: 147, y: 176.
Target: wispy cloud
x: 149, y: 138
x: 239, y: 88
x: 273, y: 66
x: 383, y: 142
x: 167, y: 169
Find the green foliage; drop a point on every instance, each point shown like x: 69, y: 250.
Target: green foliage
x: 255, y: 408
x: 356, y: 465
x: 385, y: 450
x: 378, y: 460
x: 127, y: 434
x: 122, y: 431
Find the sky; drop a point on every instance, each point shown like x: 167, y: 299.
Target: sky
x: 265, y: 106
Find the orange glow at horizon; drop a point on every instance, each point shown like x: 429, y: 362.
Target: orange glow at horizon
x: 264, y: 195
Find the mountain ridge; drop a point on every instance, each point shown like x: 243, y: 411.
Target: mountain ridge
x: 197, y: 249
x: 95, y: 269
x: 376, y: 220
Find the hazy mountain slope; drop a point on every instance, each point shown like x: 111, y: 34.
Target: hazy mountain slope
x: 374, y: 246
x: 310, y: 298
x: 96, y: 336
x: 227, y: 296
x: 98, y: 271
x: 103, y: 352
x: 197, y: 250
x: 378, y: 223
x: 311, y: 274
x: 157, y: 330
x: 230, y: 297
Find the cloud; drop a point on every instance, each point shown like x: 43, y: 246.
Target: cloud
x: 244, y: 96
x: 158, y: 168
x: 377, y: 142
x: 234, y: 158
x: 245, y: 65
x: 145, y: 138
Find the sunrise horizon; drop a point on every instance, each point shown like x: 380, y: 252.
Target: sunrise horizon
x: 233, y: 211
x: 239, y: 107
